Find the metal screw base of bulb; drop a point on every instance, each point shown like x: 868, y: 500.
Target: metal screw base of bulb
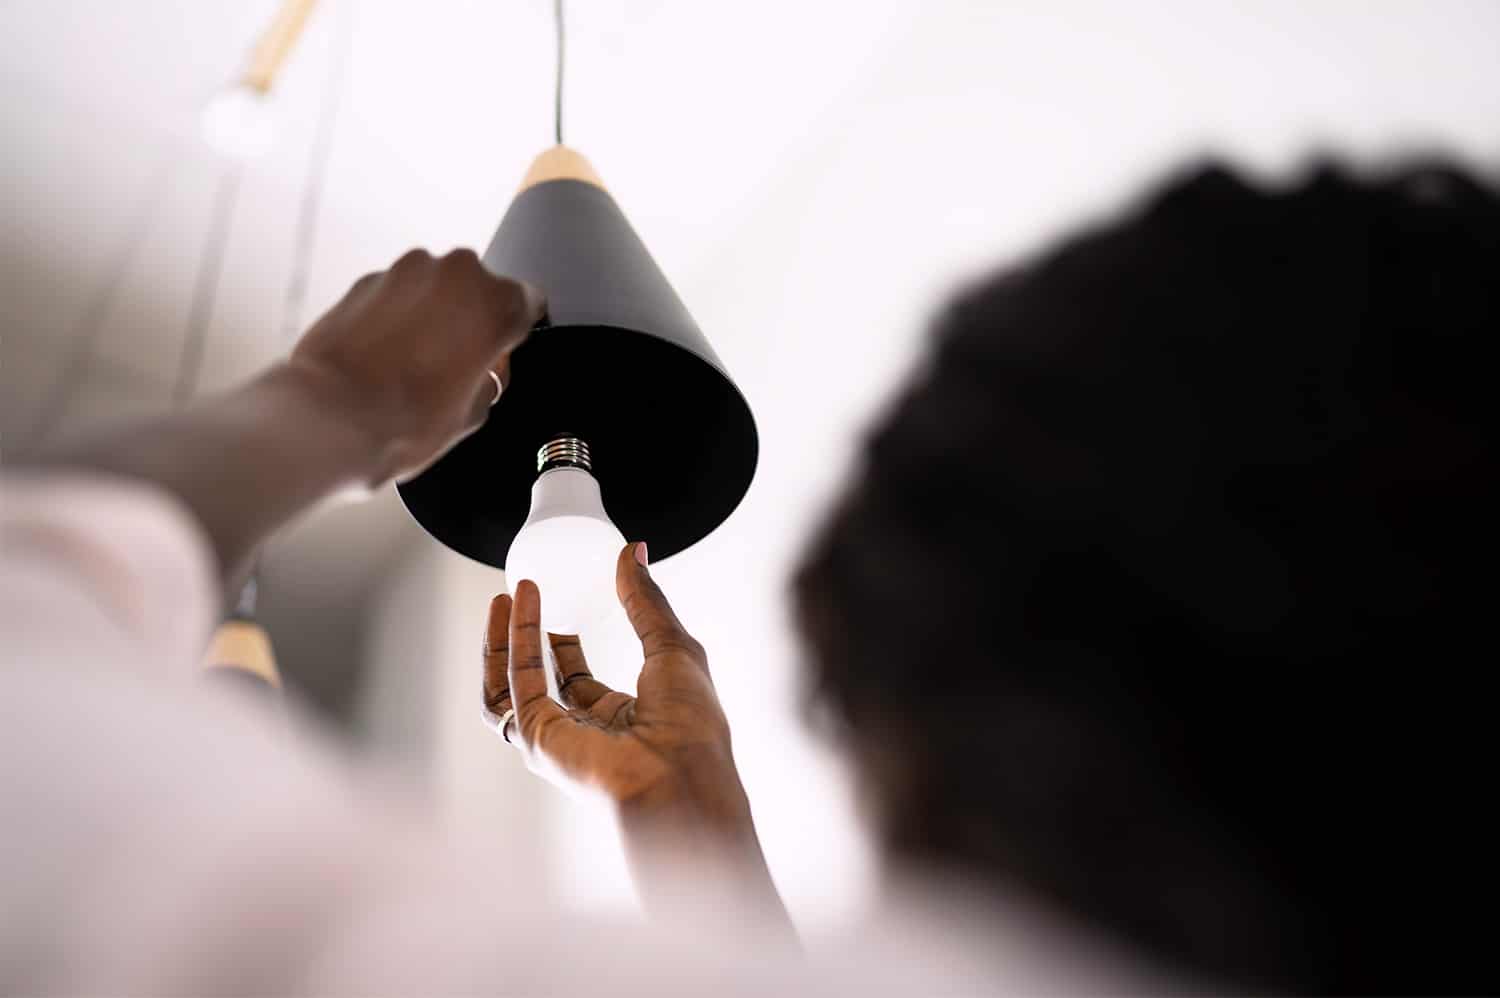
x: 563, y: 451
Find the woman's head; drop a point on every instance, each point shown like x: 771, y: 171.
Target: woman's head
x: 1161, y: 594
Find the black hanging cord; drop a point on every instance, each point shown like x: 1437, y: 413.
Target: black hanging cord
x: 244, y: 604
x: 557, y: 16
x: 309, y: 212
x: 85, y: 334
x: 206, y: 286
x: 311, y: 207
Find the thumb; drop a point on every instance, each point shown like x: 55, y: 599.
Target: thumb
x: 650, y: 614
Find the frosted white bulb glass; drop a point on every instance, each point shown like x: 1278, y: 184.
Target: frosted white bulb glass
x: 240, y: 123
x: 568, y: 547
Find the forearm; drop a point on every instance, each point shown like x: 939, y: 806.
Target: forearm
x: 694, y: 853
x: 246, y: 462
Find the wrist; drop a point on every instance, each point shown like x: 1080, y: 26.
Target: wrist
x: 694, y: 851
x: 702, y: 790
x: 330, y: 403
x: 701, y: 811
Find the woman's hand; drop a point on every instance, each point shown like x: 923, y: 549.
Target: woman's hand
x: 666, y: 747
x: 391, y: 377
x: 663, y: 756
x: 406, y: 354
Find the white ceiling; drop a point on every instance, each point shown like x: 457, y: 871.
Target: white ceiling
x: 814, y: 177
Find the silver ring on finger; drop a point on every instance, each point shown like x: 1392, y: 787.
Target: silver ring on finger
x: 497, y: 722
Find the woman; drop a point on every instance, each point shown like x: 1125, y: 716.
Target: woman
x: 1182, y: 650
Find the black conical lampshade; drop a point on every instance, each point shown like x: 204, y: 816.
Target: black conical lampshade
x: 622, y: 365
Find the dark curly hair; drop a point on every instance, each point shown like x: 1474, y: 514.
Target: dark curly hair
x: 1163, y: 592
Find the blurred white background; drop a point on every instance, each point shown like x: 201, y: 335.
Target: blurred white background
x: 814, y: 178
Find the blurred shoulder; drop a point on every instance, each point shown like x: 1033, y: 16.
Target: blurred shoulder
x: 98, y: 565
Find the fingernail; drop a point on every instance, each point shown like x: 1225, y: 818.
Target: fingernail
x: 640, y: 553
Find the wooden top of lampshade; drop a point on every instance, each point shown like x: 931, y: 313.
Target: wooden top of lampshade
x: 560, y: 163
x: 243, y: 645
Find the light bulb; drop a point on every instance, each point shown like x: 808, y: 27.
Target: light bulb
x: 567, y: 546
x: 240, y: 122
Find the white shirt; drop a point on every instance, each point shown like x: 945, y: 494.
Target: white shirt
x: 162, y: 838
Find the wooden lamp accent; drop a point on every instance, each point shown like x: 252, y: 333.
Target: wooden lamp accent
x: 243, y: 646
x: 275, y: 44
x: 560, y: 163
x: 240, y: 648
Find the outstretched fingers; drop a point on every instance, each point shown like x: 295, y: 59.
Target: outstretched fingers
x: 526, y: 666
x: 496, y: 663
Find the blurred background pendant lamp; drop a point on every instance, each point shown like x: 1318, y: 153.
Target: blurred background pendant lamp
x: 239, y: 652
x: 619, y: 367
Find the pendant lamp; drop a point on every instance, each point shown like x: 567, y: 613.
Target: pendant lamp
x: 240, y: 648
x: 618, y: 363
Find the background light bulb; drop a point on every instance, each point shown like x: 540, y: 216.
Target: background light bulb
x: 240, y: 122
x: 567, y: 546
